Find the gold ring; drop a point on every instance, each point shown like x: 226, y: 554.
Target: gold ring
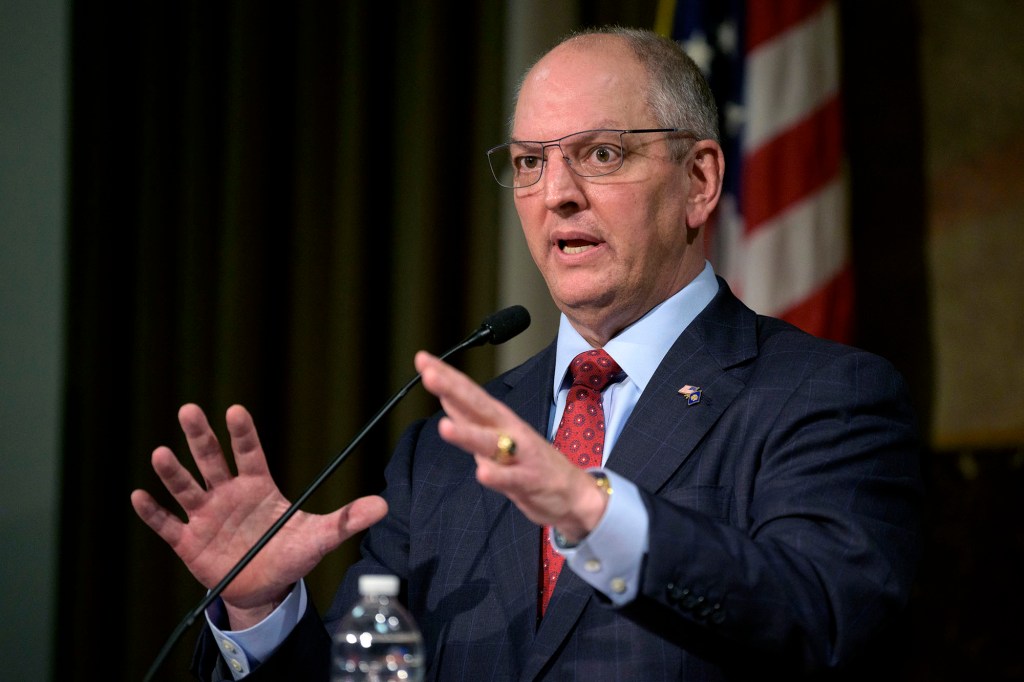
x: 506, y: 449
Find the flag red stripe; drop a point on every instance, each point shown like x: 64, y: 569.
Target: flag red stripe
x: 791, y: 170
x: 793, y: 165
x: 768, y: 18
x: 828, y: 311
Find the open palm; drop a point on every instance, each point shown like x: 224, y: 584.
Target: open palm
x: 228, y: 513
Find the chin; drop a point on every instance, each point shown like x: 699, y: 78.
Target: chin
x: 585, y: 305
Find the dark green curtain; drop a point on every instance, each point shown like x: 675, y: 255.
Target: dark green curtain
x: 272, y: 204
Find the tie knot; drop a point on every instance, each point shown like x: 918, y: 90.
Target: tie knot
x: 594, y: 369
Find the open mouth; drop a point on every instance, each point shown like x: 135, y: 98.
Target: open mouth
x: 574, y: 246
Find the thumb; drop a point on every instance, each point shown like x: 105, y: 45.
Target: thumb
x: 356, y: 516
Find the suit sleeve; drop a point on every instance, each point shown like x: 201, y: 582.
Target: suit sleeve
x: 303, y: 655
x: 814, y: 553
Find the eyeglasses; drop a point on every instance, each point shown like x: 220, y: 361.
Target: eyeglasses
x: 590, y: 154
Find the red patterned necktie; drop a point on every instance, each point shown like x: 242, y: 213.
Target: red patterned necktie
x: 580, y: 437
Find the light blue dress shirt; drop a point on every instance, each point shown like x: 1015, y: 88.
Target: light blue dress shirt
x: 610, y: 557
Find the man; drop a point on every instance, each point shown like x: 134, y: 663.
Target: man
x: 755, y: 514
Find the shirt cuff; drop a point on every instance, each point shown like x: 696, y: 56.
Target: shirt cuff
x: 243, y: 650
x: 610, y: 557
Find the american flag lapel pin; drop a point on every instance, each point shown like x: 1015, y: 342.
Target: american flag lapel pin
x: 691, y: 393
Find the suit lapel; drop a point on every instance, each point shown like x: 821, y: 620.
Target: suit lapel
x: 660, y: 434
x: 664, y: 429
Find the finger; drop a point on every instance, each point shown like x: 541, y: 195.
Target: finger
x: 165, y: 524
x: 203, y: 443
x: 473, y: 438
x: 177, y: 479
x: 461, y: 397
x: 245, y: 443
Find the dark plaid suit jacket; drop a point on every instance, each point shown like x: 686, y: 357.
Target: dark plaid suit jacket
x: 784, y: 530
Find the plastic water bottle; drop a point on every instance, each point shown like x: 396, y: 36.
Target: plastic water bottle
x: 377, y: 641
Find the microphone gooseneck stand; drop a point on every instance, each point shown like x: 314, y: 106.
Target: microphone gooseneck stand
x: 497, y: 328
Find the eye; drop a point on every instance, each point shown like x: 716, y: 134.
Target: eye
x: 526, y: 162
x: 526, y: 157
x: 603, y: 154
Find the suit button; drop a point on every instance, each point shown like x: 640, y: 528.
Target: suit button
x: 717, y: 614
x: 676, y: 593
x: 691, y: 601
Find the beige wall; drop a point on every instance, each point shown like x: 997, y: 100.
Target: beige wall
x: 533, y: 26
x: 972, y: 57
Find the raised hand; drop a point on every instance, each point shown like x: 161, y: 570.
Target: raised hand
x: 540, y: 480
x: 228, y: 513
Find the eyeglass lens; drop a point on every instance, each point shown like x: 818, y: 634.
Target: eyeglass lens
x: 589, y: 153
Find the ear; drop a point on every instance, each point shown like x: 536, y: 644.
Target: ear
x: 705, y: 172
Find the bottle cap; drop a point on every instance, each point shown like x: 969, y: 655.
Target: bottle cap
x: 378, y: 584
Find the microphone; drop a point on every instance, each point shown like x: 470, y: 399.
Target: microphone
x: 496, y: 328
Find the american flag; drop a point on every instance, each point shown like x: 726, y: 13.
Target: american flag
x: 780, y: 236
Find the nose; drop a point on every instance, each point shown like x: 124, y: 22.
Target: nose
x: 561, y: 183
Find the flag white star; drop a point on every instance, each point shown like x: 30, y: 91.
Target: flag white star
x: 735, y: 117
x: 700, y: 51
x: 726, y: 37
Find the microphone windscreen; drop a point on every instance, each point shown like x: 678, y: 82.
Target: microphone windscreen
x: 507, y: 323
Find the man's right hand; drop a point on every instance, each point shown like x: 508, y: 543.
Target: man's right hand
x: 229, y: 514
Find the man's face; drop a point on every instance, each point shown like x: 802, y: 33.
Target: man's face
x: 610, y: 248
